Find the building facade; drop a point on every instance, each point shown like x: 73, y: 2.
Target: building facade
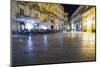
x: 89, y: 20
x: 66, y: 22
x: 53, y: 14
x: 78, y: 18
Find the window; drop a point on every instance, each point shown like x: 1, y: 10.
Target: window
x: 21, y: 11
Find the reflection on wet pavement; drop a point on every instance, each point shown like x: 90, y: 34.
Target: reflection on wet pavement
x: 53, y: 48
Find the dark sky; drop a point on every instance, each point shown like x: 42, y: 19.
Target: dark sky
x: 70, y: 8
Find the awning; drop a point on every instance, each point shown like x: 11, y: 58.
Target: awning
x: 31, y: 20
x: 28, y: 20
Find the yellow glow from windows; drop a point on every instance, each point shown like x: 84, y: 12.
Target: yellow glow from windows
x: 88, y: 23
x: 88, y: 20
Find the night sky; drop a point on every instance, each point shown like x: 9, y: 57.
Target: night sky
x: 70, y: 8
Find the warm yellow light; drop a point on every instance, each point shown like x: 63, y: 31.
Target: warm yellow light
x: 88, y: 23
x: 88, y: 45
x: 88, y: 20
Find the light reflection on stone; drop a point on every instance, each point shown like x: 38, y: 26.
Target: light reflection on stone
x: 45, y: 37
x: 55, y: 46
x: 88, y: 36
x: 30, y: 43
x: 61, y: 40
x: 88, y: 46
x: 72, y: 35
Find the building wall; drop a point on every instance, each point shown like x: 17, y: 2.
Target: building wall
x: 49, y: 12
x: 66, y: 23
x: 56, y: 11
x: 78, y: 18
x: 88, y: 20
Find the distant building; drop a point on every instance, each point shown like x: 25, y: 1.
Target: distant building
x: 66, y: 22
x: 77, y: 18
